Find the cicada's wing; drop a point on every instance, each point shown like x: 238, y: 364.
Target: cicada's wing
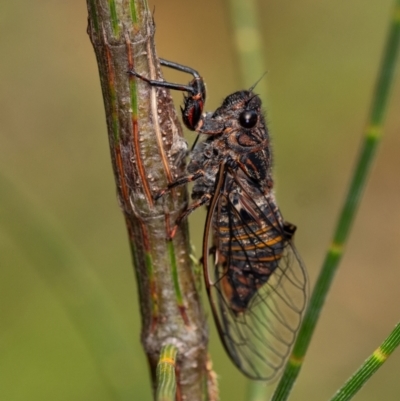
x: 257, y: 283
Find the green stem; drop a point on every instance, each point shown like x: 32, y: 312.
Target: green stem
x: 248, y: 43
x: 370, y: 366
x: 371, y: 140
x: 248, y: 46
x: 166, y: 378
x: 258, y: 391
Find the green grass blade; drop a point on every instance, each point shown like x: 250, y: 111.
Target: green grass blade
x: 248, y: 44
x: 370, y: 366
x: 371, y: 140
x: 258, y: 391
x: 166, y: 378
x: 74, y: 284
x: 249, y: 51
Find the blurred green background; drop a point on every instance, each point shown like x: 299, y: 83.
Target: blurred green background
x: 57, y: 188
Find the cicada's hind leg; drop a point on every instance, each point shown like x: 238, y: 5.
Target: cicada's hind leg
x: 182, y: 181
x: 191, y: 208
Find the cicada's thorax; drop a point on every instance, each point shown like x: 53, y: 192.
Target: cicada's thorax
x: 206, y: 157
x: 254, y: 167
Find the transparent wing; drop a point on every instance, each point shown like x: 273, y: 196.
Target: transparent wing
x: 256, y: 282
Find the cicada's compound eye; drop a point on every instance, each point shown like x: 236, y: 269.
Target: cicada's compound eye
x: 248, y: 119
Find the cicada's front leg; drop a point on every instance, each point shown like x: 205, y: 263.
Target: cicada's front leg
x: 193, y: 102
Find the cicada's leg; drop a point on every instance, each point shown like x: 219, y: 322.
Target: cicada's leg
x: 179, y: 182
x: 191, y: 88
x: 191, y: 208
x: 193, y: 103
x: 179, y: 67
x: 163, y: 84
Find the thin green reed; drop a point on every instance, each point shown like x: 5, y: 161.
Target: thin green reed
x: 369, y: 367
x: 372, y: 138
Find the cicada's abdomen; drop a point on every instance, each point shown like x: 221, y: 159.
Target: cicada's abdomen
x: 249, y: 248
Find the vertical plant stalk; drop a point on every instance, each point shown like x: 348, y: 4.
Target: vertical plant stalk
x: 372, y: 138
x: 369, y: 367
x: 147, y: 153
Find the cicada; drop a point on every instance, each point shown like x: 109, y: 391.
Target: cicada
x: 255, y: 279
